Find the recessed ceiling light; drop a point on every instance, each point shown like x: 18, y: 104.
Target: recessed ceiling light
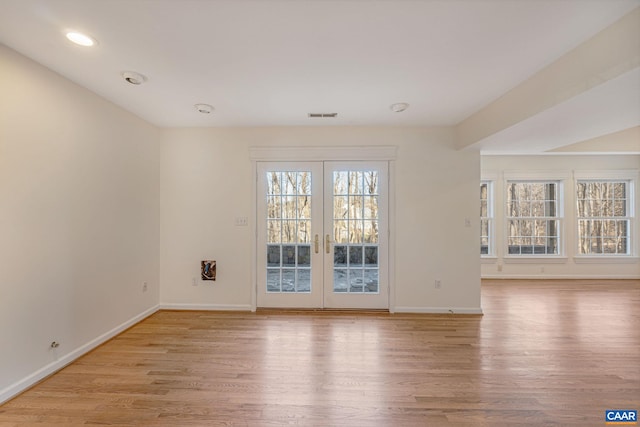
x: 399, y: 107
x: 133, y: 77
x: 204, y: 108
x: 81, y: 39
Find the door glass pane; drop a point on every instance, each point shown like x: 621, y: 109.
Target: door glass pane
x: 340, y: 207
x: 274, y: 207
x: 340, y: 256
x: 340, y: 231
x: 304, y: 207
x: 356, y: 282
x: 288, y: 220
x: 355, y: 231
x: 289, y: 207
x: 370, y: 207
x: 303, y: 282
x: 340, y: 183
x: 355, y: 182
x: 304, y: 231
x: 274, y: 231
x: 304, y: 256
x: 370, y: 232
x: 289, y: 180
x: 274, y: 183
x: 371, y: 280
x: 273, y: 256
x: 288, y: 280
x: 289, y: 256
x: 371, y: 256
x: 355, y: 255
x: 289, y: 231
x: 273, y: 280
x: 340, y: 283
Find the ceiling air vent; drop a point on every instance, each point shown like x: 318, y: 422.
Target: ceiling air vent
x: 322, y: 115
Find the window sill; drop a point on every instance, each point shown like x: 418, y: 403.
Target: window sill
x: 532, y: 259
x: 606, y: 259
x: 488, y: 259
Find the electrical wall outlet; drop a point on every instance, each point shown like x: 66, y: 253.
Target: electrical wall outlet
x: 242, y: 221
x: 144, y: 287
x: 437, y: 284
x: 193, y: 282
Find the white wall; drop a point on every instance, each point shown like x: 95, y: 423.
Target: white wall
x: 79, y: 220
x: 568, y: 266
x: 206, y: 181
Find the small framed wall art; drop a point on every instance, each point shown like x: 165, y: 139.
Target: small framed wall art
x: 208, y: 270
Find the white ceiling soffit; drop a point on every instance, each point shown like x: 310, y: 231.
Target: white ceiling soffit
x: 625, y: 141
x: 605, y: 109
x: 269, y: 63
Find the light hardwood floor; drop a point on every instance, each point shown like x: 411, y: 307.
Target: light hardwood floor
x: 544, y: 354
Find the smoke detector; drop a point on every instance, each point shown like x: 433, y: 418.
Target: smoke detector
x: 399, y: 107
x: 133, y: 77
x: 204, y: 108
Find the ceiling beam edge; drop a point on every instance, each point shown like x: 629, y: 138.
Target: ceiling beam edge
x: 609, y: 54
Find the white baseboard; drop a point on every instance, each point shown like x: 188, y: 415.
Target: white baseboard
x: 438, y: 310
x: 558, y: 277
x: 206, y: 307
x: 23, y: 384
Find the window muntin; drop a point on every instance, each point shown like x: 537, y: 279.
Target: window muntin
x: 604, y: 217
x: 486, y: 218
x: 533, y: 217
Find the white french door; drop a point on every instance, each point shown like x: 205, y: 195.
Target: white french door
x: 322, y: 235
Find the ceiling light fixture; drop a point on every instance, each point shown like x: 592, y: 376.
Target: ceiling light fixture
x: 133, y: 77
x: 204, y: 108
x: 81, y: 39
x: 399, y: 107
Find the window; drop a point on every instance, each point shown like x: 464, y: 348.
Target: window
x: 533, y: 217
x: 486, y: 218
x: 604, y: 217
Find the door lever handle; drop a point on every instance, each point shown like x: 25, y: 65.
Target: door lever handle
x: 327, y: 245
x: 316, y: 243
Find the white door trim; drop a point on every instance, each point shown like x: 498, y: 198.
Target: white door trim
x: 301, y: 154
x: 335, y: 153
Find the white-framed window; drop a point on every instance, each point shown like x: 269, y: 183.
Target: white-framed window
x: 486, y: 218
x: 533, y: 217
x: 604, y: 209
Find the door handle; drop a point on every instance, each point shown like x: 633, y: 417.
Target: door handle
x: 327, y: 245
x: 316, y: 243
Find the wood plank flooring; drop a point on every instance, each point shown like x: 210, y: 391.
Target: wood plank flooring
x: 544, y: 354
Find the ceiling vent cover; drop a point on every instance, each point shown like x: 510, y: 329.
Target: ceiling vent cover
x: 322, y: 115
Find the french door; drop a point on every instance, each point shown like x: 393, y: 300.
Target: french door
x: 322, y: 235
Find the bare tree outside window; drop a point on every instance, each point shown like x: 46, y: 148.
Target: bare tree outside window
x: 533, y: 218
x: 288, y: 231
x: 355, y: 231
x: 603, y: 217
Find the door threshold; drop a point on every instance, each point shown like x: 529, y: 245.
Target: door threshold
x: 287, y: 310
